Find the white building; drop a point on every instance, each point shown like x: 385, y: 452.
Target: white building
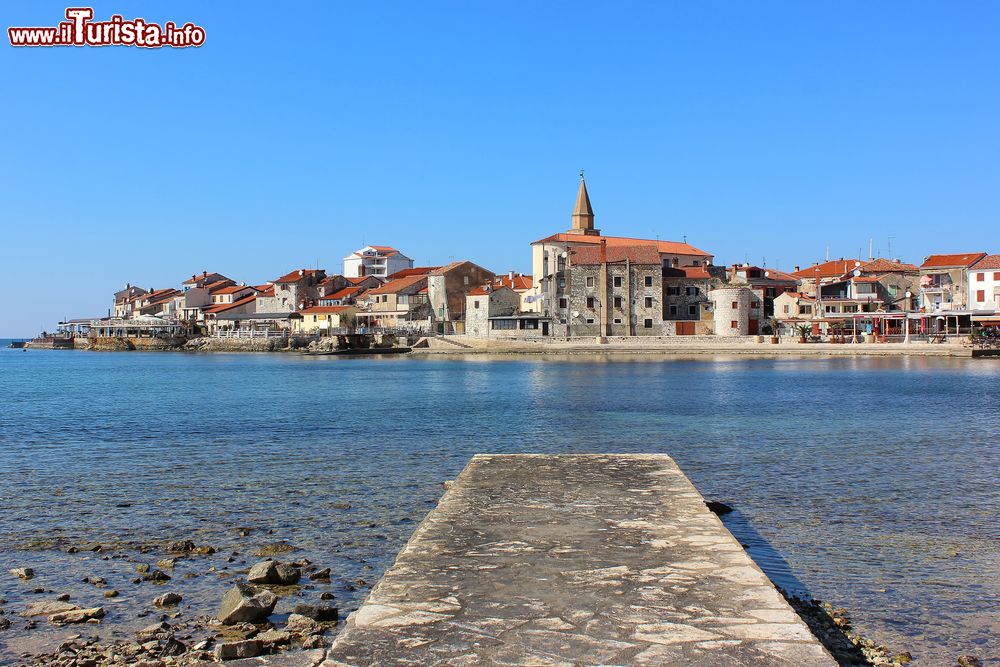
x: 375, y: 260
x: 984, y: 284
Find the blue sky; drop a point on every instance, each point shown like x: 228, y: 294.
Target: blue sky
x: 457, y: 129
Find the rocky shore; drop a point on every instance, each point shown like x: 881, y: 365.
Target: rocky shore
x: 247, y: 623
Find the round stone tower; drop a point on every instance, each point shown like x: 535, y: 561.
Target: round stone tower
x: 731, y: 310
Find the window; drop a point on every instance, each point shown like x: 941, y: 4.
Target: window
x: 785, y: 308
x: 562, y: 283
x: 503, y: 324
x: 590, y: 320
x: 647, y: 323
x: 617, y: 281
x: 673, y: 310
x: 648, y: 281
x: 996, y: 275
x: 806, y: 310
x: 476, y: 304
x: 695, y: 263
x: 673, y: 290
x: 980, y: 295
x: 618, y: 302
x: 618, y: 320
x: 980, y: 277
x: 590, y: 281
x: 562, y: 302
x: 692, y: 310
x: 755, y: 304
x: 735, y: 305
x: 692, y: 291
x: 590, y: 302
x: 648, y: 302
x: 734, y: 324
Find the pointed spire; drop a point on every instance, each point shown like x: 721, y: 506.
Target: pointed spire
x: 583, y: 213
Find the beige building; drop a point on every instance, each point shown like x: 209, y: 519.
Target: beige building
x: 398, y: 303
x: 322, y: 319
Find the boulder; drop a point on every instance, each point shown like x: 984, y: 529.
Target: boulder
x: 167, y: 600
x: 264, y: 572
x: 248, y: 648
x: 23, y: 572
x: 76, y: 615
x: 969, y: 661
x: 246, y: 604
x: 317, y: 612
x: 302, y: 625
x: 154, y: 631
x: 273, y: 572
x: 156, y: 575
x: 274, y: 637
x: 4, y: 623
x: 47, y: 608
x: 167, y: 563
x: 173, y: 647
x: 180, y: 546
x: 320, y: 574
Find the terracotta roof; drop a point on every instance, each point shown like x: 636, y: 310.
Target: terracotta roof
x: 232, y: 289
x: 299, y: 274
x: 317, y: 310
x: 665, y: 247
x: 882, y: 265
x: 265, y: 290
x: 384, y: 250
x: 204, y: 274
x: 518, y: 283
x: 221, y: 307
x: 415, y: 271
x: 952, y: 261
x: 360, y: 279
x: 832, y: 269
x: 160, y: 295
x: 345, y: 293
x: 799, y: 295
x: 636, y: 254
x: 988, y: 262
x: 865, y: 279
x: 217, y: 286
x: 395, y: 286
x: 695, y: 272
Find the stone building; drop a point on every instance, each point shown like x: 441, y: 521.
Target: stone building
x: 399, y: 303
x: 485, y: 302
x: 685, y: 300
x: 293, y: 291
x: 736, y: 311
x: 446, y: 290
x: 612, y: 291
x: 554, y: 290
x: 984, y: 284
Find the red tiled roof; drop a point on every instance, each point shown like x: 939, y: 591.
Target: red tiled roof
x: 220, y: 307
x: 636, y: 254
x: 395, y: 286
x: 518, y: 283
x: 214, y: 288
x: 882, y: 265
x: 832, y: 269
x: 298, y: 274
x: 160, y: 295
x: 695, y: 272
x: 345, y: 293
x: 665, y: 247
x: 952, y: 261
x: 265, y: 290
x: 800, y: 295
x: 415, y: 271
x: 988, y: 262
x: 232, y: 289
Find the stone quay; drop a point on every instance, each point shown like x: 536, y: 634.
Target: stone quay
x: 607, y: 559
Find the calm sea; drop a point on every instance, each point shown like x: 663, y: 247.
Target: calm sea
x: 869, y: 483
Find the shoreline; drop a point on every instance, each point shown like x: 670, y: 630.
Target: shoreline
x: 458, y: 346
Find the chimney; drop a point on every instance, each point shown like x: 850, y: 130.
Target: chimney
x: 204, y: 274
x: 302, y: 272
x: 796, y: 268
x: 510, y: 276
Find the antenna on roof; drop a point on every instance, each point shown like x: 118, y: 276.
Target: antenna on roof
x: 827, y: 252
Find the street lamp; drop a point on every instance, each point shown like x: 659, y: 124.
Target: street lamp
x: 906, y: 316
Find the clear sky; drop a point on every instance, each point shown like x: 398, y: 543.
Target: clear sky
x: 300, y: 131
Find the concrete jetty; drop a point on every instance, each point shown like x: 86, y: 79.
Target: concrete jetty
x: 574, y: 560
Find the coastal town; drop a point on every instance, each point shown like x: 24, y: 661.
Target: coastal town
x: 584, y: 285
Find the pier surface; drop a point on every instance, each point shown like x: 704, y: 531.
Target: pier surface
x: 574, y: 560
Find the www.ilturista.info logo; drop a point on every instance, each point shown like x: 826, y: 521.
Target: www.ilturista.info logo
x: 80, y: 30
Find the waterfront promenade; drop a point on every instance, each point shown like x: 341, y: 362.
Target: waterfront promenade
x: 574, y: 560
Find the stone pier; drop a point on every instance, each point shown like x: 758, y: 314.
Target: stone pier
x: 574, y: 560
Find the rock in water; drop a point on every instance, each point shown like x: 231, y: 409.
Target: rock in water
x: 47, y: 608
x: 320, y: 574
x: 23, y: 572
x: 167, y: 600
x: 173, y: 647
x: 4, y: 623
x: 248, y: 648
x: 273, y: 572
x: 317, y: 612
x: 245, y: 604
x: 969, y: 661
x: 264, y: 572
x: 718, y: 508
x: 76, y: 615
x: 302, y: 625
x: 287, y: 574
x: 156, y: 575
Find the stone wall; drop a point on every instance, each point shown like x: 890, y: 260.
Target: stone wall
x: 624, y: 319
x: 726, y: 314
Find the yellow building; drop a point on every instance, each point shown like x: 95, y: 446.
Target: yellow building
x: 320, y: 319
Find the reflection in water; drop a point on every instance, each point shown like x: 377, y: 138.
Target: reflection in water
x: 869, y: 481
